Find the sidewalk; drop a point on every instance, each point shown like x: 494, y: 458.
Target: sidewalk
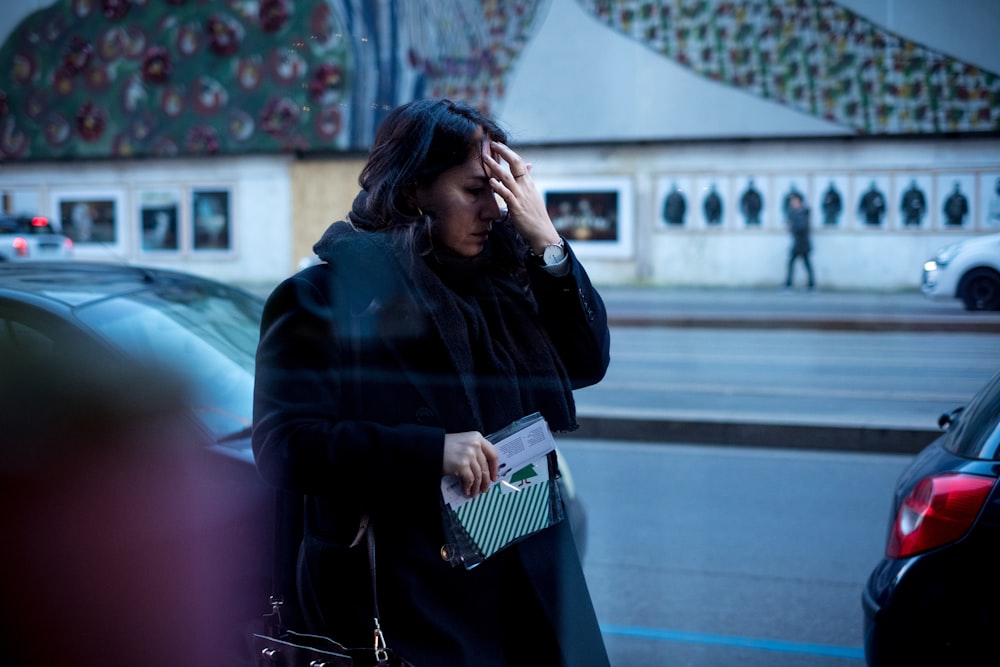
x: 777, y: 309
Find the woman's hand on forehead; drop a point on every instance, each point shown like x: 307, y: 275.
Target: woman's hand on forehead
x: 525, y: 204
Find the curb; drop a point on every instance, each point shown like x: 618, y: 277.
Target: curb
x: 817, y: 323
x: 866, y: 439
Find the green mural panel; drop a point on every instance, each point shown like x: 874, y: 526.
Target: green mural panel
x: 141, y: 78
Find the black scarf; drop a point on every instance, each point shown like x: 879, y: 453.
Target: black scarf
x: 507, y: 365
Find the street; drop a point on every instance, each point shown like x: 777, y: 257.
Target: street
x: 726, y: 552
x: 703, y: 556
x: 860, y: 386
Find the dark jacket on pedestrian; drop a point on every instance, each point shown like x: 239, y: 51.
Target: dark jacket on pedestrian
x: 365, y: 362
x: 798, y: 224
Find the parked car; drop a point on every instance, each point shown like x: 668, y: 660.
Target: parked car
x: 932, y: 599
x: 193, y: 517
x: 204, y: 332
x: 968, y: 270
x: 29, y: 237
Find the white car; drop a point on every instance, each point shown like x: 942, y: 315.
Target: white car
x: 26, y: 237
x: 968, y: 270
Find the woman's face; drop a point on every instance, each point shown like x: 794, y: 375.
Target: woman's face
x: 463, y: 205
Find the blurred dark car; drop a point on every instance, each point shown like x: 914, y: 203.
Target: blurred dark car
x: 932, y: 600
x: 30, y: 237
x: 167, y: 547
x: 206, y: 333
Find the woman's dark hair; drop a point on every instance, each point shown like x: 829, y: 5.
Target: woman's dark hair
x: 415, y: 144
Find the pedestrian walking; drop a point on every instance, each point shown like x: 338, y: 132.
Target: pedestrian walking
x: 798, y: 225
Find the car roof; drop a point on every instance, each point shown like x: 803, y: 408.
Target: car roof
x: 74, y: 282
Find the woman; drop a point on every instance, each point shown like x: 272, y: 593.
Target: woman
x: 434, y: 318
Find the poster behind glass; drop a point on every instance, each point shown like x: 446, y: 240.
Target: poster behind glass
x: 912, y: 192
x: 159, y: 214
x: 955, y: 200
x: 673, y: 194
x: 833, y: 192
x: 989, y: 206
x: 584, y: 215
x: 211, y: 219
x: 89, y: 220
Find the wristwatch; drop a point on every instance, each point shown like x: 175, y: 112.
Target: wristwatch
x: 552, y: 254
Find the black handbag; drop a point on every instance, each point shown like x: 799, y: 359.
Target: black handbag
x: 279, y: 646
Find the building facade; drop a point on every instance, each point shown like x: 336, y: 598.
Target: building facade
x: 222, y: 138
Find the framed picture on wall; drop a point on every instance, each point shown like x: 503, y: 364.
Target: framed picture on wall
x: 989, y: 201
x: 912, y: 197
x: 711, y: 199
x: 211, y: 220
x: 159, y: 220
x: 833, y: 194
x: 752, y: 200
x: 676, y: 205
x: 955, y: 202
x: 593, y: 213
x: 870, y: 208
x: 91, y: 218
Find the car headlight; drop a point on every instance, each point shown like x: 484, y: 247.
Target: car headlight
x: 930, y: 266
x: 946, y: 254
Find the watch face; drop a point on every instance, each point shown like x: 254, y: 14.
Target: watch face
x: 553, y: 254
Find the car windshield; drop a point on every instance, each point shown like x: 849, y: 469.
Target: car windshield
x: 977, y: 432
x: 207, y: 334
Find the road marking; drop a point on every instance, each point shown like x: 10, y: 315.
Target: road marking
x: 850, y: 652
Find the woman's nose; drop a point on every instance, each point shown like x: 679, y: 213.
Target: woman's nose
x: 491, y: 207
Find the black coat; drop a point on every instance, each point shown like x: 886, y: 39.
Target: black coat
x: 358, y: 379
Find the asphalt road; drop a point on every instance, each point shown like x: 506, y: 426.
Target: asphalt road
x: 754, y: 552
x: 832, y: 371
x: 703, y: 556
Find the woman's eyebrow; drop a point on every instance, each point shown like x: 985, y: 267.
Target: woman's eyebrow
x: 478, y: 178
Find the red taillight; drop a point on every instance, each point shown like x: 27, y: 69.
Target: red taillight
x: 39, y: 221
x: 68, y: 243
x: 939, y: 510
x: 20, y: 246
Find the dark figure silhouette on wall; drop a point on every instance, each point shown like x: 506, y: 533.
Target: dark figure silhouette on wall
x: 832, y: 205
x: 675, y: 207
x: 993, y: 215
x: 913, y: 205
x: 872, y: 206
x: 712, y: 207
x: 956, y: 207
x: 797, y: 219
x: 751, y: 204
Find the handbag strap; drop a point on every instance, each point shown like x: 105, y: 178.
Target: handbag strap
x: 288, y: 524
x: 381, y: 650
x: 289, y: 519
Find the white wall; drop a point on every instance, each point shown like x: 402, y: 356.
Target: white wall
x: 849, y: 256
x: 260, y: 195
x: 579, y: 82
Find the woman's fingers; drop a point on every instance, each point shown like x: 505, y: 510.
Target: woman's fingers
x: 517, y: 166
x: 470, y: 457
x: 490, y: 465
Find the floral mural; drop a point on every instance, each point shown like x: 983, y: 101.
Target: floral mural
x: 142, y: 78
x: 153, y: 78
x: 817, y: 57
